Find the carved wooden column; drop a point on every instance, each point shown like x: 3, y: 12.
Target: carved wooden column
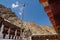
x: 12, y: 31
x: 58, y: 36
x: 5, y: 29
x: 40, y: 38
x: 18, y: 33
x: 44, y: 37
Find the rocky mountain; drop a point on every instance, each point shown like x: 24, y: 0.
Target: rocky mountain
x: 8, y: 15
x: 40, y: 30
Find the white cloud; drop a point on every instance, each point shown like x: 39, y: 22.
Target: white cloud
x: 15, y: 5
x: 20, y: 13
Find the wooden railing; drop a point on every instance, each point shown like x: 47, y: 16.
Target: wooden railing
x: 45, y: 37
x: 9, y: 27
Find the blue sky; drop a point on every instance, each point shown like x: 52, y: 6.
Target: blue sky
x: 33, y: 11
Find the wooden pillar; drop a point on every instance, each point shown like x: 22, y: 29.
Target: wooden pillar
x: 58, y: 36
x: 4, y: 36
x: 5, y: 28
x: 44, y: 37
x: 18, y: 32
x: 40, y: 38
x: 12, y: 33
x: 49, y: 37
x: 5, y: 31
x: 9, y: 36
